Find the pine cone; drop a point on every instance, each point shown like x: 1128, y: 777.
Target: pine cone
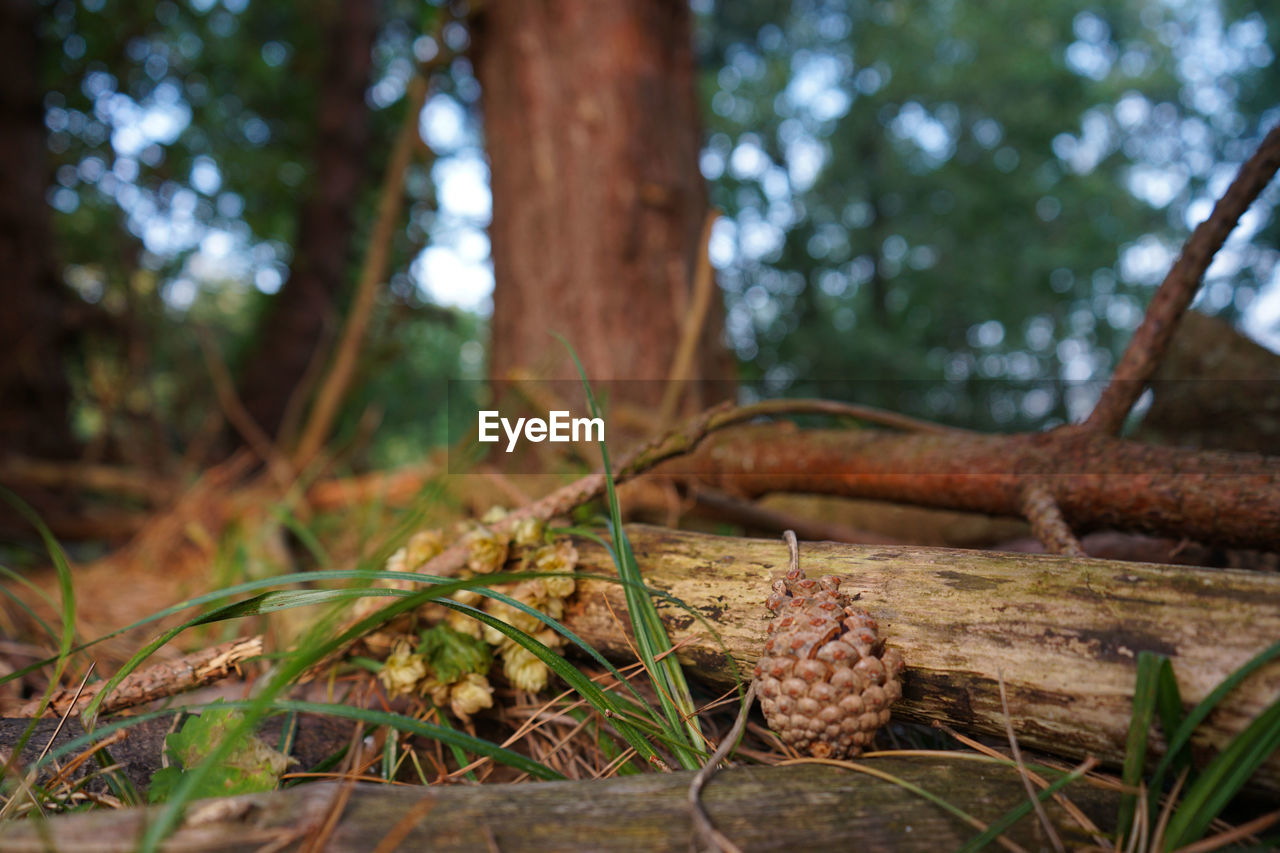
x: 826, y: 680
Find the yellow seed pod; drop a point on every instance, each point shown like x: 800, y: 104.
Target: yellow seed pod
x: 403, y: 669
x: 470, y: 694
x: 523, y: 669
x: 486, y: 551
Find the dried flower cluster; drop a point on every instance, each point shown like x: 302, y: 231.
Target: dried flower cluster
x: 462, y: 684
x: 826, y: 680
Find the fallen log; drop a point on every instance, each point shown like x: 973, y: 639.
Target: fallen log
x: 799, y: 807
x: 138, y: 750
x: 1064, y: 633
x: 1217, y: 497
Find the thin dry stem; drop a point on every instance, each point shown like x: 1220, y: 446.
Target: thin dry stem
x: 233, y: 409
x: 1231, y: 836
x: 694, y: 321
x: 860, y: 767
x: 1166, y: 813
x: 1060, y: 798
x: 706, y: 830
x: 374, y: 271
x: 1022, y: 770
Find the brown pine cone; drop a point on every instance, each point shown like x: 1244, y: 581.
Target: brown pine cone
x: 825, y: 680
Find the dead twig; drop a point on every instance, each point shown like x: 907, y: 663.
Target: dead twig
x: 24, y: 789
x: 224, y: 388
x: 695, y: 319
x: 1022, y: 771
x: 158, y: 681
x: 334, y: 388
x: 1149, y: 343
x: 675, y: 443
x: 706, y: 830
x: 1047, y: 523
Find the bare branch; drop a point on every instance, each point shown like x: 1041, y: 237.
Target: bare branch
x: 1149, y: 343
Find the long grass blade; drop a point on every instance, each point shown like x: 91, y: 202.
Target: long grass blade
x: 1145, y: 689
x: 1180, y: 740
x: 1224, y: 777
x: 652, y: 640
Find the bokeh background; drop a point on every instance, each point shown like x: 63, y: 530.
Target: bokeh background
x: 955, y: 210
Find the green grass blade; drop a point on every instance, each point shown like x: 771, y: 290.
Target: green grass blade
x: 1223, y: 778
x: 26, y: 608
x: 66, y: 636
x: 319, y: 644
x: 445, y: 734
x: 1145, y: 689
x: 1169, y: 707
x: 1180, y: 740
x: 652, y: 640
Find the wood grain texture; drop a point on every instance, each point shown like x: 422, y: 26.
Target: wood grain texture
x: 1064, y: 632
x: 803, y: 807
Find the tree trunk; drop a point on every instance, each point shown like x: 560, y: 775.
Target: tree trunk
x: 35, y: 396
x: 758, y: 808
x: 597, y: 213
x: 302, y: 316
x: 1063, y: 633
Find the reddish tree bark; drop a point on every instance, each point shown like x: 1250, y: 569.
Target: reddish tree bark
x: 35, y: 321
x: 1097, y: 481
x: 591, y: 124
x: 303, y: 315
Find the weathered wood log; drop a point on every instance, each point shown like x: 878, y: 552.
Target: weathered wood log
x: 1064, y: 633
x: 1098, y: 482
x: 140, y: 751
x: 803, y: 807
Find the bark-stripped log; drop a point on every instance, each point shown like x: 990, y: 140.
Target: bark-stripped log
x: 1064, y: 632
x: 759, y: 808
x: 1217, y: 497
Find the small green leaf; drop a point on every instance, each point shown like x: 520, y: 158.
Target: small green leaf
x: 251, y: 766
x: 452, y: 654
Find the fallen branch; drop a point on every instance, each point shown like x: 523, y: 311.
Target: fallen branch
x: 1149, y: 342
x: 716, y: 505
x: 1065, y: 632
x: 677, y: 443
x: 1047, y: 522
x: 1097, y: 481
x: 159, y: 681
x: 799, y: 807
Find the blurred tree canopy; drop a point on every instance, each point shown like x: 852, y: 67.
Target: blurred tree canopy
x: 981, y: 192
x: 963, y: 194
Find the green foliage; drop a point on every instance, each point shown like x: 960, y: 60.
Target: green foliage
x: 930, y: 202
x: 249, y: 767
x: 452, y: 654
x: 654, y: 644
x: 912, y: 194
x: 1208, y: 791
